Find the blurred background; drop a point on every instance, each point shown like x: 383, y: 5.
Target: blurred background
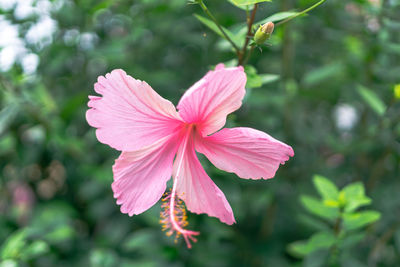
x: 329, y: 92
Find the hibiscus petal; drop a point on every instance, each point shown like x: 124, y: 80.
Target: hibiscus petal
x: 140, y: 176
x: 197, y: 190
x: 130, y: 114
x: 247, y: 152
x: 211, y: 99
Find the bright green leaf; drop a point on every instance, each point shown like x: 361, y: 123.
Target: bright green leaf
x: 35, y: 249
x: 14, y: 245
x: 298, y: 249
x: 353, y: 204
x: 248, y: 2
x: 331, y: 203
x: 326, y: 188
x: 62, y: 233
x: 268, y: 78
x: 353, y: 196
x: 396, y: 91
x: 253, y: 79
x: 248, y: 8
x: 360, y: 219
x: 277, y: 17
x: 316, y: 207
x: 372, y: 99
x: 321, y: 240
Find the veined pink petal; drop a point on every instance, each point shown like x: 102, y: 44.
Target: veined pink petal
x: 247, y: 152
x: 130, y: 114
x: 210, y: 100
x: 197, y: 190
x: 140, y: 176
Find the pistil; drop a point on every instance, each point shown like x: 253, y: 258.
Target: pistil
x: 174, y: 215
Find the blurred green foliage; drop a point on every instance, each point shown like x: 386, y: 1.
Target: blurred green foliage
x: 340, y: 222
x: 325, y: 84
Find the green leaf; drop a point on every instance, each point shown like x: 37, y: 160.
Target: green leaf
x: 268, y: 78
x: 14, y: 245
x: 353, y: 196
x: 241, y: 7
x: 372, y: 100
x: 103, y: 258
x: 298, y: 249
x: 35, y: 249
x: 102, y: 5
x: 321, y: 240
x: 211, y: 25
x: 331, y: 203
x: 61, y: 233
x: 316, y: 207
x: 248, y: 2
x: 278, y: 16
x: 350, y: 240
x: 42, y: 96
x: 7, y: 114
x: 360, y: 219
x: 312, y: 222
x: 326, y: 188
x: 253, y: 79
x: 323, y: 74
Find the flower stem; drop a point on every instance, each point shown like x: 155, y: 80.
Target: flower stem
x: 207, y: 11
x: 300, y: 13
x: 250, y: 21
x: 248, y: 55
x: 337, y: 228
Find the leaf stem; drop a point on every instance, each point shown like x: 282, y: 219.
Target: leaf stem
x: 250, y: 21
x: 248, y: 56
x: 337, y: 228
x: 207, y: 11
x: 300, y: 13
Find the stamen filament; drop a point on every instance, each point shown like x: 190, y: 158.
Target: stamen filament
x: 177, y: 215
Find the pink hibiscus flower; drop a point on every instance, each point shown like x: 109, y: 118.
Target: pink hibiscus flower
x: 131, y: 117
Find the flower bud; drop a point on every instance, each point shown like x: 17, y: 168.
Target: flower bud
x: 263, y: 33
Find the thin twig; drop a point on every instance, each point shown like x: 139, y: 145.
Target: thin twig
x: 248, y: 55
x: 207, y: 11
x: 334, y: 251
x: 300, y: 13
x: 248, y: 35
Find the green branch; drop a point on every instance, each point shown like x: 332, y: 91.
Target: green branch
x: 207, y: 11
x: 249, y: 35
x: 301, y: 13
